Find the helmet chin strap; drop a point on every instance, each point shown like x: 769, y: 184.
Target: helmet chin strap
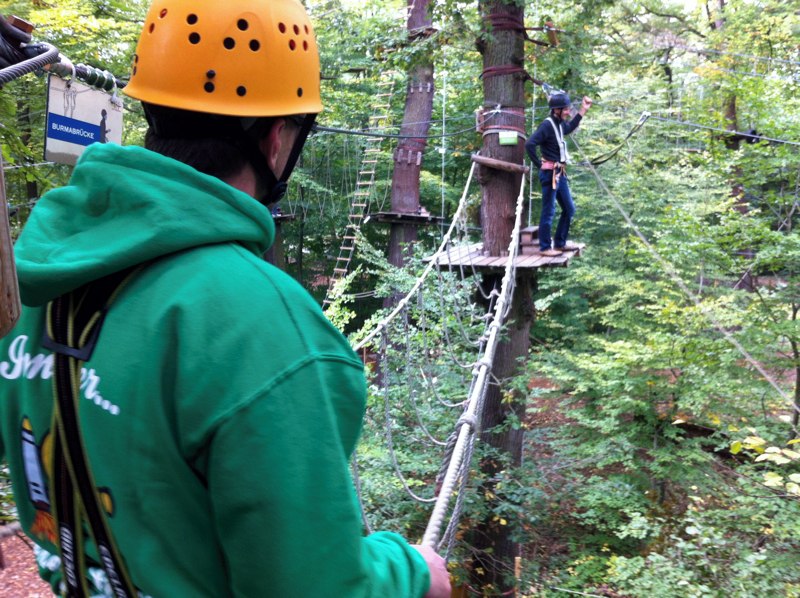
x: 273, y: 188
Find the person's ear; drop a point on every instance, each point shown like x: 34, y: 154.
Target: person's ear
x: 270, y: 145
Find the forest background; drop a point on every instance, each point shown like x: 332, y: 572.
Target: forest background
x: 660, y: 451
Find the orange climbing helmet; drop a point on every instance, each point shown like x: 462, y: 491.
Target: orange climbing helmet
x: 245, y: 58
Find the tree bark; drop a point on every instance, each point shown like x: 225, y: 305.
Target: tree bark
x: 503, y: 58
x: 416, y: 124
x: 494, y: 547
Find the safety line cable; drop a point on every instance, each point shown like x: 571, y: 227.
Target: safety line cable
x: 357, y: 483
x: 673, y: 274
x: 390, y: 135
x: 433, y: 262
x: 320, y: 128
x: 737, y: 133
x: 389, y: 436
x: 468, y: 423
x: 613, y: 152
x: 762, y: 58
x: 412, y: 393
x: 34, y: 57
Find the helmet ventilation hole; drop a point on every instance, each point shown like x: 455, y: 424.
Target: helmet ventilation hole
x: 229, y: 43
x: 152, y: 27
x: 209, y: 87
x: 242, y: 24
x: 299, y: 92
x: 305, y: 28
x: 191, y: 19
x: 296, y: 30
x: 305, y: 45
x: 163, y: 13
x: 194, y: 38
x: 255, y: 45
x: 292, y: 44
x: 241, y: 91
x: 281, y: 27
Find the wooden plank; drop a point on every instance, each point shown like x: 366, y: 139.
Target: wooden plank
x: 499, y: 261
x: 530, y: 261
x: 500, y: 164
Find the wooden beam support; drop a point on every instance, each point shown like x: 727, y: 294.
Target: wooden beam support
x: 500, y: 164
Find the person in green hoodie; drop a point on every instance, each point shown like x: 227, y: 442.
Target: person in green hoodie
x: 218, y: 408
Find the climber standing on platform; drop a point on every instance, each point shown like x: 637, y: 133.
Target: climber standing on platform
x: 177, y: 414
x: 553, y: 171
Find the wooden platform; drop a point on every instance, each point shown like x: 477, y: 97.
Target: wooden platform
x: 401, y: 218
x: 472, y: 256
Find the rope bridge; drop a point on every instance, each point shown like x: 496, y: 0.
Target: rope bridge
x: 454, y: 472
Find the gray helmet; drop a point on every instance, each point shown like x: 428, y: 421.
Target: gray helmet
x: 558, y: 100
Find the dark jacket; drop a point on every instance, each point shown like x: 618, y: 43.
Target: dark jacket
x: 545, y: 136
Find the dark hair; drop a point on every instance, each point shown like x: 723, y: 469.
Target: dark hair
x: 217, y: 157
x: 212, y: 144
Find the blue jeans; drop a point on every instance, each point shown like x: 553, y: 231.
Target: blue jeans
x: 549, y: 197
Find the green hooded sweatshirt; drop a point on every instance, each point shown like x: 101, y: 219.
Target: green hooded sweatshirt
x: 220, y: 407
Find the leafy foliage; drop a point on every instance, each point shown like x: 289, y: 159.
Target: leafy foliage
x: 656, y: 457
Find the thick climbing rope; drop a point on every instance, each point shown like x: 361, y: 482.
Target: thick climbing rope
x: 506, y: 22
x: 433, y: 262
x: 33, y: 58
x: 467, y: 425
x: 675, y: 277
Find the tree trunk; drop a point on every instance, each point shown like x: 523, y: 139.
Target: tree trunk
x: 416, y: 124
x: 503, y: 57
x: 494, y: 548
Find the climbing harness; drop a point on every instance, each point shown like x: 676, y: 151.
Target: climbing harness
x: 72, y: 330
x: 562, y: 146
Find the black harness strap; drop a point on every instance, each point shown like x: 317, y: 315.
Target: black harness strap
x: 73, y: 328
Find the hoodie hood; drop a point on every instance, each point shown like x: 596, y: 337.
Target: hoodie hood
x: 124, y: 206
